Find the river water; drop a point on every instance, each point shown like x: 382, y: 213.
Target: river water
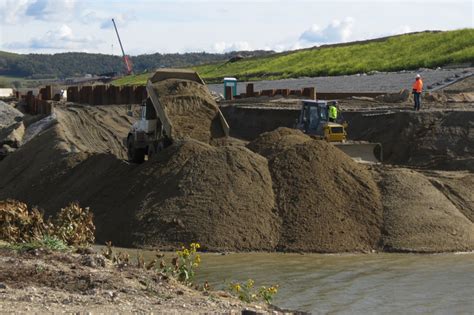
x: 351, y: 283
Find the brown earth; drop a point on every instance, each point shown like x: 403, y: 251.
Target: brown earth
x: 271, y: 143
x: 226, y: 196
x: 428, y: 140
x: 418, y: 217
x: 191, y: 110
x: 221, y: 197
x: 39, y: 281
x: 315, y: 185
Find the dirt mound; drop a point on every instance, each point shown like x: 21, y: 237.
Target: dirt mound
x: 315, y: 184
x: 418, y: 217
x: 458, y: 188
x: 191, y: 110
x: 93, y: 129
x: 270, y: 143
x: 436, y: 140
x: 221, y: 197
x: 9, y: 115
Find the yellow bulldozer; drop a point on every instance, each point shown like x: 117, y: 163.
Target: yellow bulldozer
x: 314, y: 121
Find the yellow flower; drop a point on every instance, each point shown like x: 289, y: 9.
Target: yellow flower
x: 237, y: 287
x: 250, y: 283
x: 273, y: 289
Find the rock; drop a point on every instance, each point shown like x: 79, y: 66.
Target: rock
x: 3, y: 286
x: 93, y: 261
x: 12, y: 135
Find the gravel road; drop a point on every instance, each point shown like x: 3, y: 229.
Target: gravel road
x: 378, y: 82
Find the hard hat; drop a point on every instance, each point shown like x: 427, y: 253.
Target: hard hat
x: 418, y: 76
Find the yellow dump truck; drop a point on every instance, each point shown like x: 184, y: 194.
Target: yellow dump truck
x: 179, y: 106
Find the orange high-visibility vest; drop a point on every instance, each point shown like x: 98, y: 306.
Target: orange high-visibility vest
x: 418, y: 85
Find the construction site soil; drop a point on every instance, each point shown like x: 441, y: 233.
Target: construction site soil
x: 84, y: 282
x: 191, y: 110
x: 282, y: 191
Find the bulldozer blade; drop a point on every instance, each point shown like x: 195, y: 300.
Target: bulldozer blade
x: 362, y: 152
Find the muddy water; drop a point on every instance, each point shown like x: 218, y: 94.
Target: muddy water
x: 348, y: 284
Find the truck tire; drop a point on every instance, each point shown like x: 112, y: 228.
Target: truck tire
x: 135, y: 155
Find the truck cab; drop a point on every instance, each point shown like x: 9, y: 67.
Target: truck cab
x: 313, y: 120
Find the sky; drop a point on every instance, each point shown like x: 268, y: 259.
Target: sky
x: 165, y: 26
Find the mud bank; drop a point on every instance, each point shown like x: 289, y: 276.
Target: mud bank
x: 40, y: 281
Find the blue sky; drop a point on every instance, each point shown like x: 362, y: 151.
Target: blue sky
x: 146, y: 26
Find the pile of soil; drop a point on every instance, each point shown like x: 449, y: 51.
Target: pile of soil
x: 221, y: 197
x: 458, y: 188
x: 418, y: 217
x: 191, y: 110
x: 315, y: 184
x: 9, y: 115
x: 292, y: 193
x: 271, y: 143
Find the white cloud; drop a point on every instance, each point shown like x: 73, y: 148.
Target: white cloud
x: 337, y: 31
x: 13, y: 10
x: 223, y: 47
x: 120, y: 19
x: 58, y: 39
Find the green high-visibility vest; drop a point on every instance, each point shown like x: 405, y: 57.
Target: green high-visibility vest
x: 332, y: 112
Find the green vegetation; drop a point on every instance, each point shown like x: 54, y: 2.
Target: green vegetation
x: 411, y: 51
x: 42, y: 66
x: 47, y: 242
x: 133, y: 79
x: 248, y: 293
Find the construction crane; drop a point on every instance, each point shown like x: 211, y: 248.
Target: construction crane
x: 126, y: 59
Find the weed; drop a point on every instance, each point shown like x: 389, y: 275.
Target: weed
x: 248, y: 293
x: 183, y: 266
x: 47, y: 242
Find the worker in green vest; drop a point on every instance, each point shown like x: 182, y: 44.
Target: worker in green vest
x: 332, y: 112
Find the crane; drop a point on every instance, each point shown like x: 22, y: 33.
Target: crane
x: 126, y: 59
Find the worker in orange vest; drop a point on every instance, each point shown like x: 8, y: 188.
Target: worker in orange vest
x: 417, y: 88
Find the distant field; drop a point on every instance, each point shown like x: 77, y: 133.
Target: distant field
x: 405, y: 52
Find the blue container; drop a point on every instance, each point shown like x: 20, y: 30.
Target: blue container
x: 232, y: 82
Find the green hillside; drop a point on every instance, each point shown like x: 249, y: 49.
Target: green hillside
x: 404, y: 52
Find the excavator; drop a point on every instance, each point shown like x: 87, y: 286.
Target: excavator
x: 314, y: 121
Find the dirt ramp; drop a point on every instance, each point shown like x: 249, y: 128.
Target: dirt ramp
x: 221, y: 197
x: 418, y: 217
x: 327, y: 202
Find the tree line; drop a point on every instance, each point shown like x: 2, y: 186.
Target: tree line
x: 63, y: 65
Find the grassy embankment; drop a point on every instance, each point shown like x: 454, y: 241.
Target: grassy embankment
x: 405, y: 52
